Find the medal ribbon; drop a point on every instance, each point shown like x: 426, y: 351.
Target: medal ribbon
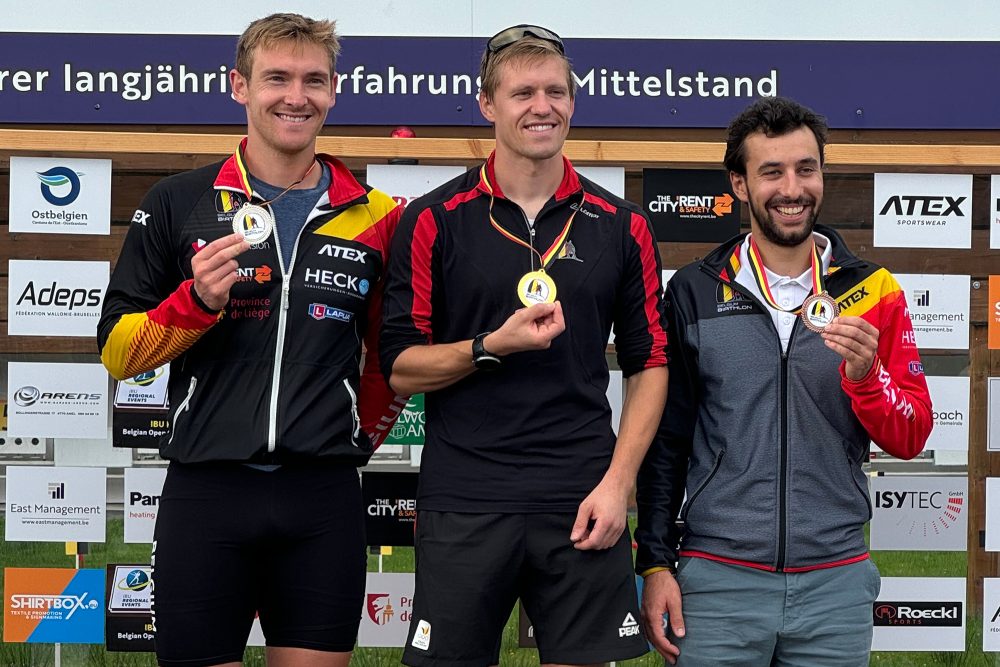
x: 245, y: 178
x: 760, y: 276
x: 549, y: 255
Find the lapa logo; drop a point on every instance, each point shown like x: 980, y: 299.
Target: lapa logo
x: 58, y: 178
x: 26, y: 396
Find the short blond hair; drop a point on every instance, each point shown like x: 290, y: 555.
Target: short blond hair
x: 528, y: 49
x: 277, y: 28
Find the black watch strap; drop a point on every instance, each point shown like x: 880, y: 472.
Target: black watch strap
x: 482, y: 359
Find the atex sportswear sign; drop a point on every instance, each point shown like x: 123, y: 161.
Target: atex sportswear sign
x: 52, y: 298
x: 60, y: 195
x: 920, y: 614
x: 923, y: 210
x: 55, y: 504
x: 919, y: 512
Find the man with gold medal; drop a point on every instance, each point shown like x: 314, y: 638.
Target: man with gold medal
x: 788, y: 355
x: 503, y: 287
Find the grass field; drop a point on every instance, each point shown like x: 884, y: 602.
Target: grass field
x: 27, y: 554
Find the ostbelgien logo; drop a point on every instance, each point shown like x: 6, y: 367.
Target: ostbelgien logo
x: 58, y: 178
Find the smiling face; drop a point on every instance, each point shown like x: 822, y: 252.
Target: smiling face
x: 287, y: 96
x: 530, y: 108
x: 783, y: 185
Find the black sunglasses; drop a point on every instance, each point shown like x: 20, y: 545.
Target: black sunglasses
x: 505, y: 38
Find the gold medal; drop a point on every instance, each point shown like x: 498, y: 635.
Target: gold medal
x: 536, y: 287
x: 818, y: 311
x: 253, y: 222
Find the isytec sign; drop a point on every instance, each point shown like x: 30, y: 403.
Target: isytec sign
x: 390, y: 507
x: 690, y: 205
x: 53, y: 605
x: 129, y: 625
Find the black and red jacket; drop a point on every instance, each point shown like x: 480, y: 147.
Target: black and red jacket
x: 274, y: 377
x: 535, y: 435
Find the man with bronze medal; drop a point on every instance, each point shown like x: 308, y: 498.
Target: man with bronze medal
x: 523, y: 483
x: 257, y: 278
x: 788, y: 356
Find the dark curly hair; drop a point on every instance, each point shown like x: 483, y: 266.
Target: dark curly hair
x: 774, y: 116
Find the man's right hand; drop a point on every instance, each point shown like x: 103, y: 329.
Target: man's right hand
x: 660, y: 593
x: 532, y: 328
x: 214, y: 268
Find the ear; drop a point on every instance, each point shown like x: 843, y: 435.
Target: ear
x: 486, y: 107
x: 238, y: 85
x: 739, y: 183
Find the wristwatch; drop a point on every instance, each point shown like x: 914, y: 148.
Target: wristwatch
x: 482, y: 359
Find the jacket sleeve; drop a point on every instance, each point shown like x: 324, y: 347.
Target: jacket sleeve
x: 662, y: 476
x: 151, y: 313
x: 640, y: 328
x: 378, y: 405
x: 892, y: 401
x: 407, y: 303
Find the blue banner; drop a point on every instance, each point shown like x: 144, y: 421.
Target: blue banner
x: 183, y: 79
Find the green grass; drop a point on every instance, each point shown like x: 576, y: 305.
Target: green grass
x: 34, y: 554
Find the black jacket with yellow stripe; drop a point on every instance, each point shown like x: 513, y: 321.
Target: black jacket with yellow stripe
x: 274, y: 377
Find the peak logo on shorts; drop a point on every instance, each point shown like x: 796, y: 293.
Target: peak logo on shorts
x: 422, y: 636
x: 629, y: 626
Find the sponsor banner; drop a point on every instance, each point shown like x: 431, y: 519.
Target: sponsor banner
x: 385, y: 618
x: 923, y: 210
x: 920, y: 614
x: 950, y: 410
x: 991, y: 614
x: 128, y: 624
x: 54, y: 195
x: 993, y: 414
x: 52, y: 298
x: 406, y: 182
x: 622, y: 82
x: 53, y: 605
x: 57, y: 400
x: 55, y: 504
x: 919, y: 513
x: 143, y: 487
x: 994, y: 212
x: 993, y: 316
x: 409, y: 427
x: 939, y: 309
x: 993, y: 513
x: 690, y: 205
x: 390, y: 507
x: 140, y: 414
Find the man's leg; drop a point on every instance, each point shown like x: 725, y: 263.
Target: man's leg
x: 828, y: 617
x: 466, y: 585
x: 732, y: 614
x: 582, y: 604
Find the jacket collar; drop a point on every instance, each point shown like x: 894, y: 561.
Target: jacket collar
x: 569, y: 185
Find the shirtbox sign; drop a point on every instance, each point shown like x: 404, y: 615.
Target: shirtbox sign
x: 690, y: 205
x: 60, y: 195
x: 385, y: 618
x: 60, y: 504
x: 390, y: 507
x: 49, y: 298
x: 950, y: 410
x: 143, y: 487
x: 938, y: 308
x: 920, y: 614
x: 128, y: 623
x: 53, y: 605
x: 57, y: 400
x: 923, y: 210
x: 919, y: 513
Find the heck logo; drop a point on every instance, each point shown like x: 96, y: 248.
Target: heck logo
x: 928, y: 614
x: 59, y: 177
x: 629, y: 626
x: 379, y: 608
x: 333, y: 281
x: 321, y: 311
x: 422, y: 636
x: 57, y: 490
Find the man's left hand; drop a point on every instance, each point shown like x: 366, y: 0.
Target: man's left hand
x: 856, y: 340
x: 601, y: 517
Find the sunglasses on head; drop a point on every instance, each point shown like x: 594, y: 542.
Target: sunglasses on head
x: 505, y: 38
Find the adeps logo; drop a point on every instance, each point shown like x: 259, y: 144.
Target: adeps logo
x: 58, y: 178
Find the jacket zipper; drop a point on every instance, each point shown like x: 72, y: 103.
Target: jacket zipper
x: 704, y: 485
x: 183, y: 407
x: 356, y: 431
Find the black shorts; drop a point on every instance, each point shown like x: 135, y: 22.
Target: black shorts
x: 231, y: 540
x: 471, y: 568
